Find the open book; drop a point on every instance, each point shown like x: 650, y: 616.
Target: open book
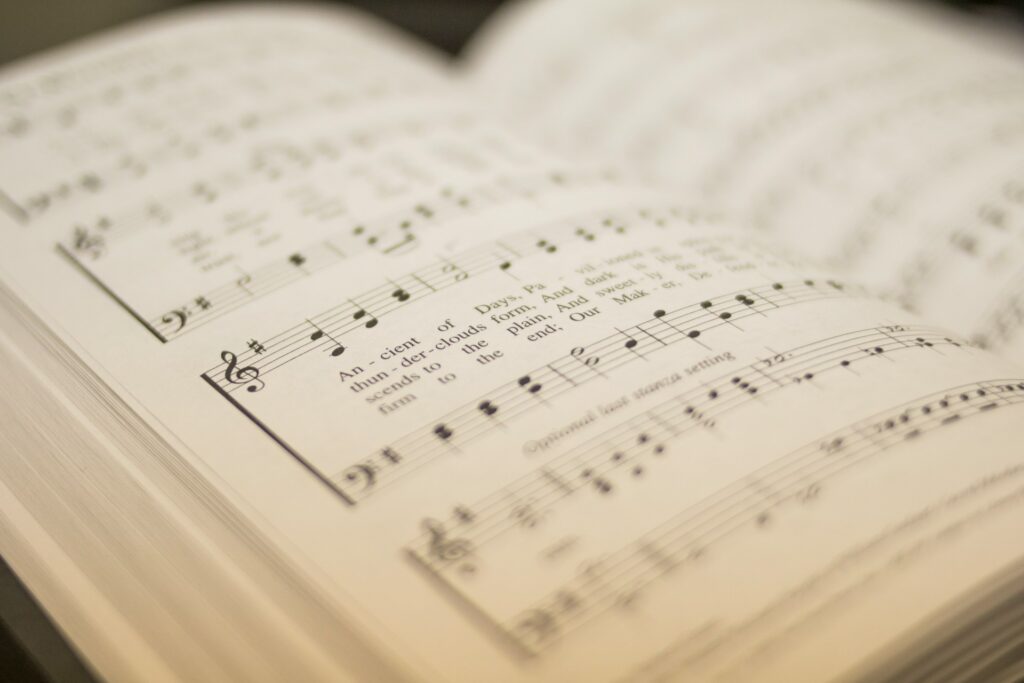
x: 651, y: 341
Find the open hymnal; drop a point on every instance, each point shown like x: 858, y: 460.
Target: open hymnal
x: 649, y: 341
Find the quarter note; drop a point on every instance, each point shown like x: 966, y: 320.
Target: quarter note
x: 369, y: 321
x: 744, y: 385
x: 585, y: 234
x: 602, y: 485
x: 630, y: 342
x: 529, y: 385
x: 319, y: 334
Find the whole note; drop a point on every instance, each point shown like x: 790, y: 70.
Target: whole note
x: 248, y: 375
x: 451, y: 269
x: 578, y: 352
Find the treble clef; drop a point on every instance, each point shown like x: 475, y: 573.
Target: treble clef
x: 249, y: 375
x: 445, y: 549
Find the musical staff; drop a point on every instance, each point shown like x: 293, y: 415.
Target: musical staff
x: 386, y: 298
x: 394, y: 233
x: 797, y: 478
x: 259, y: 116
x: 264, y: 164
x: 581, y: 365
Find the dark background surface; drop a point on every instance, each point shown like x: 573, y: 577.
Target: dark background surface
x: 31, y: 650
x: 27, y: 26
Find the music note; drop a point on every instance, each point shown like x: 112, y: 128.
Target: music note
x: 585, y: 234
x: 768, y: 496
x: 589, y: 361
x: 458, y: 274
x: 361, y: 313
x: 464, y: 515
x: 400, y: 294
x: 249, y: 375
x: 566, y: 601
x: 532, y: 387
x: 488, y: 408
x: 602, y: 485
x: 525, y: 515
x: 319, y: 334
x: 742, y: 384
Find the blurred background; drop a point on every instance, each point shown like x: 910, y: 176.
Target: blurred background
x: 27, y: 26
x: 31, y: 649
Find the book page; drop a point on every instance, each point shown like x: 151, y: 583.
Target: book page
x: 495, y: 416
x: 878, y: 137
